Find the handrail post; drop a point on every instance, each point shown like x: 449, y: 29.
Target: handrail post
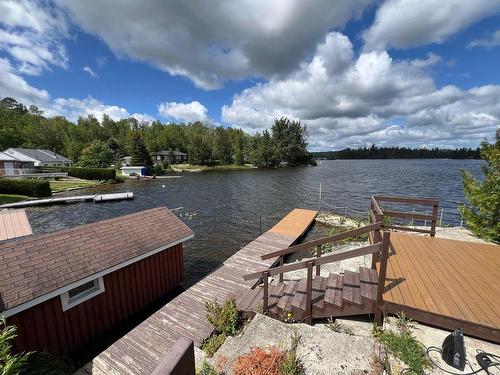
x: 308, y: 314
x: 281, y: 264
x: 265, y: 292
x: 434, y: 219
x: 318, y: 255
x: 379, y: 317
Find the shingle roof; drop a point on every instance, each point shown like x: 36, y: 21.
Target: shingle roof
x: 42, y: 155
x: 31, y: 267
x: 175, y: 153
x: 6, y: 157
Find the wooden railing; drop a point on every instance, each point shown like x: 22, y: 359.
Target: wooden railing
x: 377, y: 214
x: 380, y: 248
x: 316, y: 244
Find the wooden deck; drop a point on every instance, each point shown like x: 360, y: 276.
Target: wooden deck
x: 13, y: 224
x: 139, y: 351
x: 446, y: 283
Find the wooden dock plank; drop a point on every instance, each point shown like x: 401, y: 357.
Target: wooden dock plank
x: 139, y: 351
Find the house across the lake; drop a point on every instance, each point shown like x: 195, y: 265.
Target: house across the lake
x: 64, y: 289
x: 39, y: 157
x: 174, y: 157
x: 13, y: 166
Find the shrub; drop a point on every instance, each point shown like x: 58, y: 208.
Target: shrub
x: 32, y: 188
x: 92, y: 173
x: 223, y: 318
x: 206, y: 369
x: 404, y: 346
x: 9, y: 363
x: 213, y: 343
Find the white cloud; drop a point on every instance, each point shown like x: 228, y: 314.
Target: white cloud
x: 491, y: 41
x: 89, y: 70
x: 32, y: 33
x: 210, y: 44
x: 368, y: 98
x: 188, y: 112
x: 15, y: 86
x: 410, y: 23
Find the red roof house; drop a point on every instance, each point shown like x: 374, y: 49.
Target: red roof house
x: 64, y: 289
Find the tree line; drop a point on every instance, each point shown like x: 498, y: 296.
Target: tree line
x: 93, y: 143
x: 396, y: 152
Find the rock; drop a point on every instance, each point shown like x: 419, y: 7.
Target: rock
x: 321, y: 350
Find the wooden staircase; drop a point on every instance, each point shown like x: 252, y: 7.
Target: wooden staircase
x: 350, y: 293
x: 353, y: 293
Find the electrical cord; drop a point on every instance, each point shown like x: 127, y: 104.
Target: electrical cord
x: 479, y: 352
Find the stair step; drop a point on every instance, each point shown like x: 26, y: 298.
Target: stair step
x: 351, y: 291
x: 275, y: 293
x: 368, y: 279
x: 333, y: 293
x: 249, y: 300
x: 287, y: 295
x: 320, y: 304
x: 317, y: 291
x: 299, y: 295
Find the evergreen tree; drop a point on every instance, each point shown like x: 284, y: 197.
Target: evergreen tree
x: 483, y: 211
x: 140, y: 153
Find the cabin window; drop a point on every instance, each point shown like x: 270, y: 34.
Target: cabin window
x: 82, y: 293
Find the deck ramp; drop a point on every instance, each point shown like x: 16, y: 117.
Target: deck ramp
x: 13, y: 224
x: 140, y: 350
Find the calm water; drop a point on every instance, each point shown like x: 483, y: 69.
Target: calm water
x: 223, y: 208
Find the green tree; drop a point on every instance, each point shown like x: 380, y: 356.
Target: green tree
x: 97, y: 155
x: 290, y: 142
x: 140, y: 153
x: 222, y: 150
x: 482, y: 214
x: 199, y: 146
x: 9, y: 364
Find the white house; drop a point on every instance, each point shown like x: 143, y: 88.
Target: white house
x: 11, y: 166
x: 39, y: 157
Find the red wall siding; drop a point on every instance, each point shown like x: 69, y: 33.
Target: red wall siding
x: 128, y: 290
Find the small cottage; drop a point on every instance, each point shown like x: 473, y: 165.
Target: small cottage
x: 64, y: 289
x: 39, y: 157
x: 174, y: 157
x: 12, y: 166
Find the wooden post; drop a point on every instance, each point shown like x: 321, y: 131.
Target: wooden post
x: 266, y: 293
x: 308, y: 314
x: 434, y: 219
x: 318, y: 255
x: 281, y: 264
x: 379, y: 317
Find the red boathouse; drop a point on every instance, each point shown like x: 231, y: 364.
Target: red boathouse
x: 63, y: 289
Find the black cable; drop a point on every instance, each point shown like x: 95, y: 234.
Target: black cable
x: 436, y: 349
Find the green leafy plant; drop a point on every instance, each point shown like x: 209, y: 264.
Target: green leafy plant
x: 213, y: 343
x: 10, y: 364
x: 291, y: 364
x: 334, y: 325
x: 482, y: 214
x: 403, y: 345
x: 206, y: 369
x: 224, y: 318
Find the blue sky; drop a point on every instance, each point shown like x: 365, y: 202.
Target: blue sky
x: 417, y: 73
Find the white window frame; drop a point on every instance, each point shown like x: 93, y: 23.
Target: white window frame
x: 68, y: 302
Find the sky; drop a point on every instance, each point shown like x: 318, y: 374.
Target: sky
x: 417, y: 73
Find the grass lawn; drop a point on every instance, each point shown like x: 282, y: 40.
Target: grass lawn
x: 229, y: 167
x: 58, y: 186
x: 11, y: 198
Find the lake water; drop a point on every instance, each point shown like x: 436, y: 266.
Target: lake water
x: 224, y: 208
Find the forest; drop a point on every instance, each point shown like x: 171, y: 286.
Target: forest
x: 396, y: 152
x: 93, y: 143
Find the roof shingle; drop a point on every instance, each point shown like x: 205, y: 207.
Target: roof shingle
x: 31, y: 267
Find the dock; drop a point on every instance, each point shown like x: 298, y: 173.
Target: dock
x: 14, y: 224
x: 96, y: 198
x: 142, y: 349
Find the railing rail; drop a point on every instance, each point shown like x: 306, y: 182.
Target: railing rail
x: 377, y: 214
x: 380, y: 249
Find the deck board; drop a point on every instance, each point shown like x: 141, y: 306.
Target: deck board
x: 140, y: 350
x: 443, y: 280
